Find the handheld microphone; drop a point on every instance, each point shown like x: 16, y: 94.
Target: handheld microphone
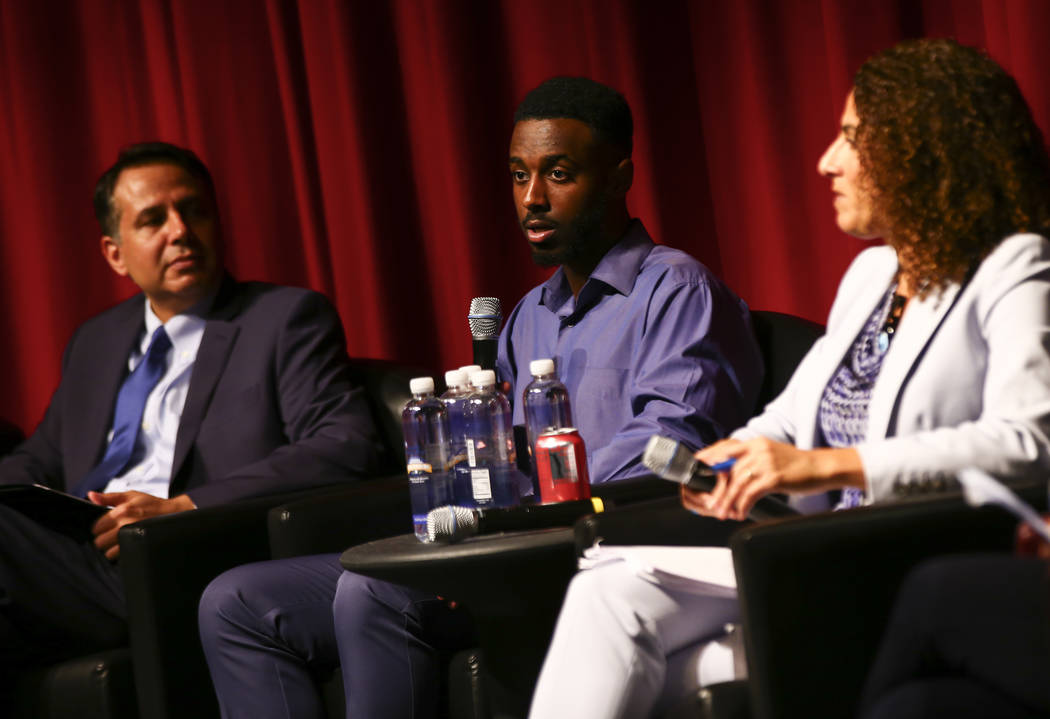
x: 455, y: 523
x: 485, y: 318
x: 672, y: 460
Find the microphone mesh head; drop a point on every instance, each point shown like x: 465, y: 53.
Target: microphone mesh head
x: 668, y: 458
x: 484, y: 318
x: 451, y: 523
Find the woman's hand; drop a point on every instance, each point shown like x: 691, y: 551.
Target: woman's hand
x: 763, y: 466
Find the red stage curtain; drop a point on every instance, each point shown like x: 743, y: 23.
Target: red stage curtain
x: 359, y: 147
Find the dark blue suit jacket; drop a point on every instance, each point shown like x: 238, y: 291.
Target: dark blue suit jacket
x: 270, y: 406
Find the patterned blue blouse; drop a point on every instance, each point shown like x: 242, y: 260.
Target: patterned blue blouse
x: 843, y: 413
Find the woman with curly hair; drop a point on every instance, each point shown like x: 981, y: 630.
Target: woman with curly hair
x: 936, y: 358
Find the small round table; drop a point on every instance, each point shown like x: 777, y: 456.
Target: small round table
x: 512, y: 583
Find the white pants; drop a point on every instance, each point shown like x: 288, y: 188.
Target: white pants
x: 625, y: 647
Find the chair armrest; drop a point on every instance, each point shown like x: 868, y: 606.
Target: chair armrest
x: 333, y: 521
x: 816, y: 592
x: 166, y: 562
x: 657, y: 522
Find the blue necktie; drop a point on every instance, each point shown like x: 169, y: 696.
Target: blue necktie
x: 127, y: 417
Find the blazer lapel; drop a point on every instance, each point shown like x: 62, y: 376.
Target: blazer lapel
x: 219, y: 336
x: 917, y: 328
x: 99, y: 396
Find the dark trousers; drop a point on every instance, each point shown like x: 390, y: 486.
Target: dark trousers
x: 272, y: 630
x: 969, y: 637
x: 58, y: 597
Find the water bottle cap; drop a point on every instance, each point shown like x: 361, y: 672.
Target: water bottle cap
x: 470, y: 369
x: 484, y: 378
x: 421, y: 385
x: 455, y: 378
x: 541, y: 366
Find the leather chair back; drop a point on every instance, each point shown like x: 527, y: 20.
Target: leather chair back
x: 783, y: 340
x: 386, y: 390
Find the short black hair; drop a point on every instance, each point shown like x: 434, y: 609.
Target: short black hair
x: 599, y: 106
x: 138, y: 155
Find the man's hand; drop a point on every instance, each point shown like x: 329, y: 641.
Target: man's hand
x: 129, y: 507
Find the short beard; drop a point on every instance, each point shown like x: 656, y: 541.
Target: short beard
x: 585, y: 231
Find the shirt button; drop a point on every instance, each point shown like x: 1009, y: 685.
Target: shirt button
x: 145, y: 426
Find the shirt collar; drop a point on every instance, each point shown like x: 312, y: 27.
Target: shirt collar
x: 618, y: 269
x: 182, y: 326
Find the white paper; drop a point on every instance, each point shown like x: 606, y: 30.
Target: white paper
x: 980, y: 488
x: 705, y: 570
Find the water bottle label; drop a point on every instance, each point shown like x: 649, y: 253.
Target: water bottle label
x: 472, y: 459
x: 420, y: 468
x: 482, y: 486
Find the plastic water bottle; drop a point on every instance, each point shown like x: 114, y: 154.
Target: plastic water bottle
x: 489, y: 442
x: 424, y: 422
x: 546, y: 403
x: 455, y: 399
x: 469, y: 370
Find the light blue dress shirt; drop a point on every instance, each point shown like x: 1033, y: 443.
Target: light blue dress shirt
x: 150, y: 468
x: 654, y: 344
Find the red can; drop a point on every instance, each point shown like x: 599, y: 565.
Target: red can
x: 561, y: 466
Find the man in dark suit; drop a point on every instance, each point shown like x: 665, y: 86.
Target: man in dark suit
x: 249, y: 395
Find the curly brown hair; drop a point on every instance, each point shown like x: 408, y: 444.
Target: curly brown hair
x: 952, y: 156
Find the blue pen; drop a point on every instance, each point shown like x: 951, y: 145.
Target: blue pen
x: 723, y: 466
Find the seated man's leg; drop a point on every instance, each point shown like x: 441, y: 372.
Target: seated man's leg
x: 267, y: 635
x: 58, y: 597
x: 392, y: 640
x: 608, y: 657
x: 982, y: 619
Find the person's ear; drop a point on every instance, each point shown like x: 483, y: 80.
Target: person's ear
x: 114, y: 255
x: 623, y: 177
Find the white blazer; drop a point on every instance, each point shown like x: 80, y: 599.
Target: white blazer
x: 965, y: 382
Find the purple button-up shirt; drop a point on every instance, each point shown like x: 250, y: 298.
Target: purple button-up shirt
x: 654, y: 344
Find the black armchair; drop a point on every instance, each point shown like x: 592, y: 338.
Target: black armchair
x: 166, y: 562
x: 816, y: 592
x: 783, y: 340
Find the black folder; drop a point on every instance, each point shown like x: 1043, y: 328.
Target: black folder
x: 53, y: 509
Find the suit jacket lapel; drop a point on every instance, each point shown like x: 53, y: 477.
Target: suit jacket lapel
x: 219, y: 336
x: 99, y: 396
x: 918, y: 326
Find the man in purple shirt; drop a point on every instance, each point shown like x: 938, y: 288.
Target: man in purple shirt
x: 647, y: 341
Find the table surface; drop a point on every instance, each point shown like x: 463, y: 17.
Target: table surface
x: 406, y: 552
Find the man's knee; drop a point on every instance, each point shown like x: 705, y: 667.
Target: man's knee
x: 358, y: 599
x: 223, y: 600
x: 243, y: 596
